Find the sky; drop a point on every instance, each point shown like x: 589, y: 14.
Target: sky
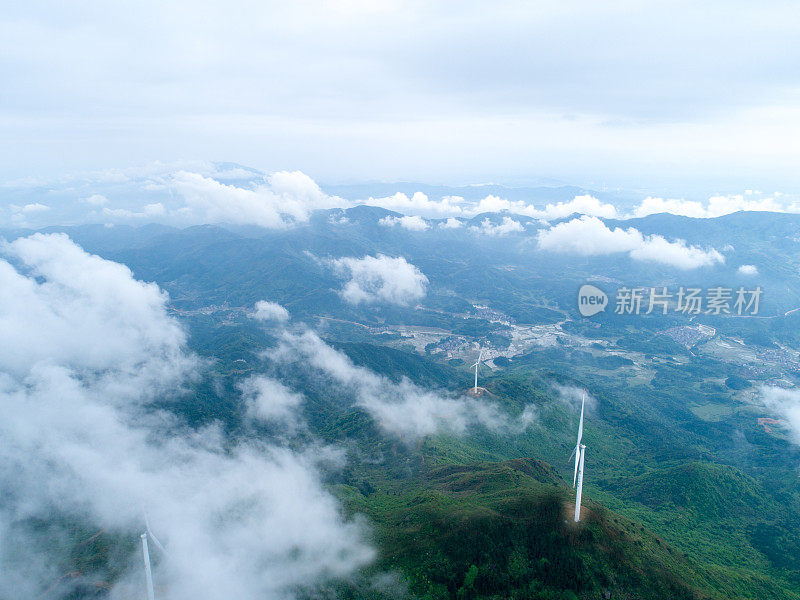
x: 665, y: 97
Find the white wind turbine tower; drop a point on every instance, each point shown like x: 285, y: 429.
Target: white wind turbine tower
x: 146, y: 556
x: 579, y: 451
x: 580, y: 485
x: 477, y: 365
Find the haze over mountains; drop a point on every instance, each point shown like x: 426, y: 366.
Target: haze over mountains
x: 544, y: 228
x: 276, y: 373
x: 203, y: 192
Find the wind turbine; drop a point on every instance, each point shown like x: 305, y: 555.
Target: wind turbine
x: 579, y: 451
x: 576, y: 451
x: 146, y: 555
x: 476, y: 365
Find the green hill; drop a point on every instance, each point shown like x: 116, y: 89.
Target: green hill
x: 505, y: 530
x: 708, y: 490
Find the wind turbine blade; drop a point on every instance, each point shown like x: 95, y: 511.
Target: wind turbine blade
x: 147, y: 570
x: 156, y: 542
x: 153, y: 535
x: 577, y: 453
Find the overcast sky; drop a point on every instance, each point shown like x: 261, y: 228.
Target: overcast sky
x: 652, y: 95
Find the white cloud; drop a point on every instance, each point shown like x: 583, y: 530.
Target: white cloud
x: 786, y: 405
x: 269, y: 400
x: 748, y: 270
x: 338, y: 219
x: 288, y: 197
x: 508, y: 225
x: 678, y: 253
x: 95, y: 200
x: 493, y: 203
x: 60, y: 320
x: 18, y: 215
x: 687, y: 208
x: 34, y: 207
x: 589, y: 236
x: 585, y: 205
x: 84, y: 350
x: 402, y: 409
x: 572, y: 395
x: 207, y: 193
x: 412, y: 223
x: 270, y: 311
x: 716, y: 206
x: 419, y: 203
x: 381, y: 279
x: 451, y: 223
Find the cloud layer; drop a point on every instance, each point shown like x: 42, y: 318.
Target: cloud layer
x: 380, y: 279
x: 786, y: 405
x: 84, y: 351
x: 286, y: 198
x: 506, y: 226
x: 589, y: 236
x: 270, y: 311
x: 193, y: 193
x: 210, y: 81
x: 716, y: 206
x: 747, y: 270
x: 412, y: 223
x: 420, y: 204
x: 402, y: 409
x: 269, y: 400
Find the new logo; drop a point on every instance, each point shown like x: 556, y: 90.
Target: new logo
x: 591, y: 300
